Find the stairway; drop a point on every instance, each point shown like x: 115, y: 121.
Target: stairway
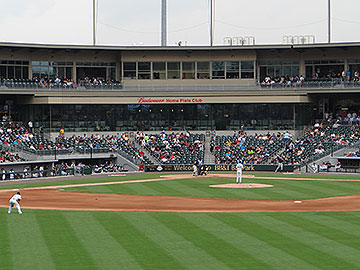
x: 209, y: 158
x: 147, y: 153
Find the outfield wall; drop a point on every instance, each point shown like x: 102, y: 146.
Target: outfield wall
x: 217, y: 168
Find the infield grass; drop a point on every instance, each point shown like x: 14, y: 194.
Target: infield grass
x: 284, y: 189
x: 44, y: 239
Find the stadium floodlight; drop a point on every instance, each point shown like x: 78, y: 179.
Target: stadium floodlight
x: 298, y: 39
x: 239, y: 41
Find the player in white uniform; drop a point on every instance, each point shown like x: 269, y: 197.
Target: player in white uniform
x: 195, y: 170
x: 15, y: 201
x: 239, y: 168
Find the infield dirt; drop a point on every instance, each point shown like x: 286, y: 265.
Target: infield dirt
x: 53, y: 198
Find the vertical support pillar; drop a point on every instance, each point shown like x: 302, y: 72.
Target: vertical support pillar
x: 74, y: 75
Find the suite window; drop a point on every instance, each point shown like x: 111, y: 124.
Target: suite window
x: 52, y: 70
x: 203, y: 70
x: 173, y: 70
x: 247, y: 69
x: 159, y: 70
x: 188, y: 70
x: 129, y: 70
x: 232, y: 70
x: 14, y: 69
x: 144, y: 70
x: 218, y: 70
x: 324, y: 68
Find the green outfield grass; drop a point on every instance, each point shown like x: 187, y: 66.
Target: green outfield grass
x: 41, y: 239
x: 82, y: 180
x: 49, y: 239
x: 199, y: 187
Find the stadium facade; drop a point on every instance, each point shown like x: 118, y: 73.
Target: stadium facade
x: 195, y: 88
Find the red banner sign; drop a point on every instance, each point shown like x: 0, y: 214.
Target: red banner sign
x: 168, y: 100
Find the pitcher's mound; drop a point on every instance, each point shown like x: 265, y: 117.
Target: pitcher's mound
x: 243, y: 185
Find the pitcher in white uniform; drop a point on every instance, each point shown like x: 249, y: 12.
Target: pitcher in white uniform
x: 15, y: 201
x: 239, y: 168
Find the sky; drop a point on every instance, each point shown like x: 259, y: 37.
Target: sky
x: 137, y: 22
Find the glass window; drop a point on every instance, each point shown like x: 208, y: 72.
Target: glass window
x: 111, y: 73
x: 159, y: 71
x: 188, y: 70
x: 60, y: 72
x: 25, y: 73
x: 2, y: 72
x: 247, y: 70
x: 203, y: 70
x: 18, y: 72
x: 247, y: 65
x: 129, y: 70
x: 68, y: 72
x: 173, y: 70
x: 232, y: 70
x: 144, y: 71
x: 36, y: 71
x: 218, y: 70
x: 11, y: 72
x: 247, y: 75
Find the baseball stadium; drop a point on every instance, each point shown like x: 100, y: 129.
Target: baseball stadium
x: 239, y: 156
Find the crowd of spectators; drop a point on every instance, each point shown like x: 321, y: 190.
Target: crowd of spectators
x: 184, y: 148
x: 283, y: 81
x: 7, y: 156
x: 319, y: 141
x: 60, y: 82
x: 45, y: 82
x: 98, y: 80
x: 107, y: 167
x: 180, y: 147
x: 251, y: 149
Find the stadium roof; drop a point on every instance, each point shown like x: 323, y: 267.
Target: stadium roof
x: 176, y: 48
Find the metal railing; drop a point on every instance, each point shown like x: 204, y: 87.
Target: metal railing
x: 150, y: 87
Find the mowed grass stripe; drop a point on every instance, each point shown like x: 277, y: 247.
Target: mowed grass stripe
x: 83, y: 180
x: 185, y: 251
x: 66, y: 249
x: 338, y: 221
x: 311, y: 248
x: 321, y: 188
x: 214, y: 245
x: 147, y: 253
x: 89, y: 189
x: 106, y: 251
x: 6, y: 253
x: 351, y: 218
x: 30, y: 252
x: 192, y: 188
x: 165, y: 188
x: 202, y: 185
x: 231, y: 229
x: 347, y: 246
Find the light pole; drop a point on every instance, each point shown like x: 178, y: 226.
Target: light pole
x: 94, y: 23
x: 329, y: 22
x: 163, y: 23
x: 211, y: 22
